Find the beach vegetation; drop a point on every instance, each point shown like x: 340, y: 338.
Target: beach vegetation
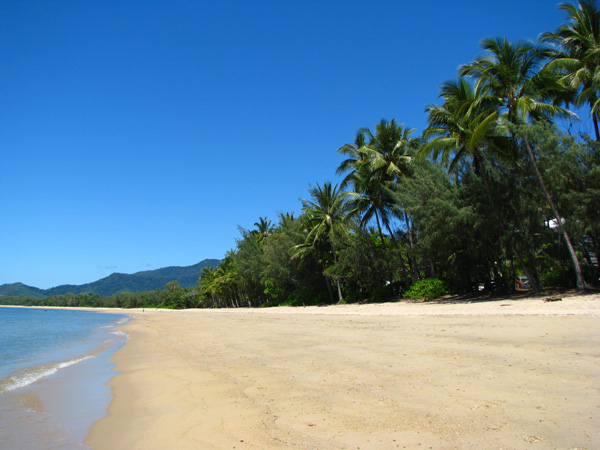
x: 426, y: 289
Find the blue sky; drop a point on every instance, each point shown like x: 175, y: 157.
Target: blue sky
x: 140, y: 134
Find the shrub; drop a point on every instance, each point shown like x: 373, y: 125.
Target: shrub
x: 426, y: 289
x: 556, y: 278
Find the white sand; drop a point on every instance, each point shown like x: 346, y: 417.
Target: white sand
x: 510, y: 374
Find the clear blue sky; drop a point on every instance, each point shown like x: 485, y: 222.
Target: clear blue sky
x: 140, y: 134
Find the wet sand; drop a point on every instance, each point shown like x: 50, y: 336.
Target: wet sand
x: 510, y: 374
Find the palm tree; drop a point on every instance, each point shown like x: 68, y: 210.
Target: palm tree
x: 356, y: 157
x: 511, y: 76
x: 576, y: 55
x: 372, y: 200
x: 227, y: 278
x: 208, y: 285
x: 327, y: 215
x: 465, y: 127
x: 513, y: 80
x: 221, y: 283
x: 264, y: 228
x: 461, y: 127
x: 373, y: 167
x: 387, y: 151
x: 285, y: 219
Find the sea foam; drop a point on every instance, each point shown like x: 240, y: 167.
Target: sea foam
x: 22, y: 379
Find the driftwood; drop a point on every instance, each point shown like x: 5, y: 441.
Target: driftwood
x: 556, y: 298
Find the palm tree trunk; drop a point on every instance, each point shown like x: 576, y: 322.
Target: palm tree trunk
x: 574, y: 259
x: 337, y: 279
x: 595, y: 121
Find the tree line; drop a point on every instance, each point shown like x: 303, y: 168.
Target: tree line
x: 492, y: 191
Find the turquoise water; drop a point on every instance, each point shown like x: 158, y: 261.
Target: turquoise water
x: 54, y: 365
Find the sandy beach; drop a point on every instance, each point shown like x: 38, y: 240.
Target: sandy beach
x: 505, y: 374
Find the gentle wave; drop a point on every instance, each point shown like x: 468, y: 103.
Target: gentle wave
x: 21, y: 380
x: 118, y: 333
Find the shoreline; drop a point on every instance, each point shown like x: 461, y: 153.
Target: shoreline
x: 52, y: 393
x: 499, y: 374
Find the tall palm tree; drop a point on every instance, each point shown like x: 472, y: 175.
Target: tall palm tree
x: 373, y: 167
x: 327, y: 215
x: 372, y: 200
x: 467, y: 127
x: 512, y: 77
x: 513, y: 80
x: 576, y: 55
x: 461, y: 127
x: 387, y: 151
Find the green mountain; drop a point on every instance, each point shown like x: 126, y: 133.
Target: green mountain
x: 21, y: 290
x: 117, y: 283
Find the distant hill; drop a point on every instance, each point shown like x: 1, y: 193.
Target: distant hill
x: 21, y: 290
x: 117, y: 283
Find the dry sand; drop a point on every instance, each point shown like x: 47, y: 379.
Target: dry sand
x: 505, y: 374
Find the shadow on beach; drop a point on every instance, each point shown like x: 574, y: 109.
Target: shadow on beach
x: 520, y: 294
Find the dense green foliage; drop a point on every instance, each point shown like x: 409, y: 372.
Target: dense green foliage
x: 492, y: 190
x: 450, y: 225
x: 172, y: 296
x: 426, y: 289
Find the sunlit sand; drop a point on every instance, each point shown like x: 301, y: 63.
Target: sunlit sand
x: 515, y: 374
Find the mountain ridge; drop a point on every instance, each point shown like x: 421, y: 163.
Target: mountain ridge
x: 117, y: 283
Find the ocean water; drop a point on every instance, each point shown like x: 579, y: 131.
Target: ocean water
x: 54, y: 366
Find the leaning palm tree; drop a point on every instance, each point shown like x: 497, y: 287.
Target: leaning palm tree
x: 327, y: 215
x: 207, y: 284
x: 226, y: 279
x: 576, y: 56
x: 466, y: 128
x: 510, y: 73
